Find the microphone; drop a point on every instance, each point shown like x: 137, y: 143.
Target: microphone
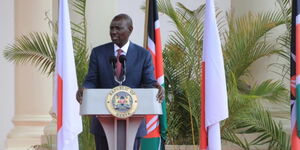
x: 113, y: 61
x: 122, y: 60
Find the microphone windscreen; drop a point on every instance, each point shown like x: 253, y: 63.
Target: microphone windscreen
x: 122, y: 58
x: 112, y: 59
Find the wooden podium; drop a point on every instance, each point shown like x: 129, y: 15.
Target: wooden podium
x: 120, y: 132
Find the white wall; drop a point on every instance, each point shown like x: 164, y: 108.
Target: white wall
x: 243, y: 6
x: 7, y: 99
x: 99, y: 15
x: 133, y: 9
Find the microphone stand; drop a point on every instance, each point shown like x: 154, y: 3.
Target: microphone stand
x: 113, y: 61
x: 122, y: 60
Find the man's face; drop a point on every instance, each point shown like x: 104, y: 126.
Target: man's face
x: 120, y: 31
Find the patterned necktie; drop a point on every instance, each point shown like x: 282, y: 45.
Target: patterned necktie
x: 119, y: 65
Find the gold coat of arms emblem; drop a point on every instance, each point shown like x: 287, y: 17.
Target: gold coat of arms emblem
x: 122, y: 102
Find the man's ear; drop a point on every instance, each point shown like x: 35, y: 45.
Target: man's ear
x: 130, y: 28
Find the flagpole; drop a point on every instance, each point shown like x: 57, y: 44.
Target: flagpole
x: 146, y: 24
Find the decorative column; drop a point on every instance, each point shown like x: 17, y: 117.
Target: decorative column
x: 7, y: 86
x: 33, y: 91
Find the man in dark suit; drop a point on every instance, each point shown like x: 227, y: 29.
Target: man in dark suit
x: 100, y: 75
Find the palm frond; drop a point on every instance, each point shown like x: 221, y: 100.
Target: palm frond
x: 260, y: 121
x: 79, y: 6
x: 272, y: 91
x: 165, y: 7
x: 286, y: 9
x: 79, y: 29
x: 175, y: 124
x: 285, y: 40
x: 36, y: 48
x: 245, y: 41
x: 282, y: 67
x: 231, y: 136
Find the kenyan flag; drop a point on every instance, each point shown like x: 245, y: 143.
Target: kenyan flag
x: 295, y: 72
x: 156, y: 125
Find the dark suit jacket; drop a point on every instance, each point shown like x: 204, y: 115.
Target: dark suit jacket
x: 100, y: 74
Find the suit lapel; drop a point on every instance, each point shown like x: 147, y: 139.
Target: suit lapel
x: 110, y: 52
x: 130, y: 56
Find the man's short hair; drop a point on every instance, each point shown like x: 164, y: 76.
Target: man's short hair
x: 125, y: 17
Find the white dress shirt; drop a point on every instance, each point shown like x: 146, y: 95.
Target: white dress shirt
x: 124, y: 48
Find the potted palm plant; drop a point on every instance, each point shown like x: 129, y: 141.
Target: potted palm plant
x: 243, y: 42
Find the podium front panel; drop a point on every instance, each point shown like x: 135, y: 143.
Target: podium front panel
x: 94, y: 102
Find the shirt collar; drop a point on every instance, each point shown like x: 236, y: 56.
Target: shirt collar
x: 124, y: 48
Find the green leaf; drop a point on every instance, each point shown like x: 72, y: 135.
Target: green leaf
x: 37, y: 49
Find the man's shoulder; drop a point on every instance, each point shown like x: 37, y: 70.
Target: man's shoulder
x: 136, y: 46
x: 104, y: 46
x: 103, y: 49
x: 139, y: 48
